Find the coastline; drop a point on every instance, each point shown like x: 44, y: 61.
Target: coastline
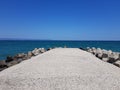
x: 13, y: 47
x: 104, y: 55
x: 61, y: 68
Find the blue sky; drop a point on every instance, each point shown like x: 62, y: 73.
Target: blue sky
x: 60, y: 19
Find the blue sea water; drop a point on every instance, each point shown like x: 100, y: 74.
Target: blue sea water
x: 13, y: 47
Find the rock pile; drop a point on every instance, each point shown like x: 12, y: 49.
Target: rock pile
x: 12, y: 60
x: 106, y: 55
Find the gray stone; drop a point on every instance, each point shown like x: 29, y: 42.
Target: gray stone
x: 109, y: 52
x: 90, y: 50
x: 2, y: 63
x: 42, y: 50
x: 12, y: 63
x: 94, y: 51
x: 99, y: 51
x: 104, y: 51
x: 25, y: 57
x: 35, y: 52
x: 114, y: 55
x: 30, y: 54
x: 105, y: 59
x: 99, y: 55
x: 20, y: 55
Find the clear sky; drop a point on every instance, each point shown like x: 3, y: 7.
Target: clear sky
x: 60, y: 19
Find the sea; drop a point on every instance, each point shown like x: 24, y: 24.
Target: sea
x: 13, y: 47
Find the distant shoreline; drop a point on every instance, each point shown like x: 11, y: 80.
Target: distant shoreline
x: 57, y: 40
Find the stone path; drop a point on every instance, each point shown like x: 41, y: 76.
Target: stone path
x: 61, y: 69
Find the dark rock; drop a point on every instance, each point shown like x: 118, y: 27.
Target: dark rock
x: 83, y: 49
x: 113, y: 57
x: 19, y: 60
x: 104, y: 55
x: 9, y: 59
x: 25, y: 57
x: 117, y: 63
x: 112, y: 60
x: 99, y: 55
x: 20, y: 56
x: 3, y: 64
x: 49, y: 49
x: 119, y: 56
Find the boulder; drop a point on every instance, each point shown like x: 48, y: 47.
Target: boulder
x: 119, y: 56
x: 12, y: 63
x: 19, y: 60
x: 94, y: 51
x: 21, y: 55
x: 99, y: 55
x: 42, y: 50
x: 29, y: 55
x: 3, y: 65
x: 112, y: 60
x: 104, y: 51
x: 90, y: 50
x: 114, y: 55
x: 99, y: 51
x: 83, y: 49
x: 9, y: 59
x: 109, y: 52
x: 104, y: 55
x: 25, y: 57
x: 49, y: 49
x: 105, y: 59
x: 35, y: 52
x: 117, y: 63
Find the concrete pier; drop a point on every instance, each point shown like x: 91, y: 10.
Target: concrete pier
x: 61, y: 69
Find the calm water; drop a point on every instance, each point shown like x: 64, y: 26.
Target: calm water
x: 14, y: 47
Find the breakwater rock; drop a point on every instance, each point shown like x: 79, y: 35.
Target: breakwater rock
x: 105, y: 55
x: 13, y: 60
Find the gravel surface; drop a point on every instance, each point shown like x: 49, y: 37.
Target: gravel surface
x: 61, y: 69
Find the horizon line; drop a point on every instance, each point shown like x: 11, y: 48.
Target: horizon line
x: 13, y: 39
